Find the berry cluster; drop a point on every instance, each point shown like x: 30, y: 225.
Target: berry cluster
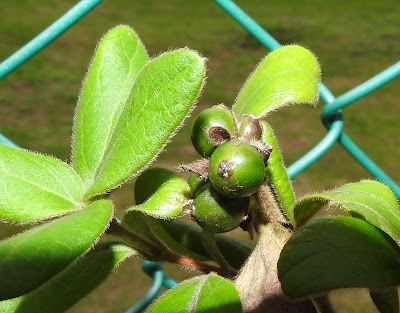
x: 232, y: 171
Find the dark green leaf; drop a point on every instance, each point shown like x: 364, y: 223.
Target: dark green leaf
x: 386, y: 300
x: 278, y: 178
x: 35, y: 256
x: 368, y: 199
x: 35, y: 187
x: 288, y: 75
x: 118, y: 60
x: 234, y: 251
x: 338, y: 252
x: 71, y: 284
x: 162, y: 97
x: 210, y: 293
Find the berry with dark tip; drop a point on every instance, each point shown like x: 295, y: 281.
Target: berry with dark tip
x: 236, y: 169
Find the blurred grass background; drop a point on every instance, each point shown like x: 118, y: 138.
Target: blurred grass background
x: 353, y: 41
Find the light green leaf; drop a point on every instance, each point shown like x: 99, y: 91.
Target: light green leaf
x: 34, y: 187
x: 368, y: 199
x: 162, y: 97
x: 30, y: 259
x: 278, y: 178
x: 386, y: 300
x: 71, y: 284
x: 338, y: 252
x: 116, y: 64
x: 161, y: 193
x: 287, y: 75
x: 209, y: 293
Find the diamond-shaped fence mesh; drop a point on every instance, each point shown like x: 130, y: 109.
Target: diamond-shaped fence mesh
x: 331, y: 114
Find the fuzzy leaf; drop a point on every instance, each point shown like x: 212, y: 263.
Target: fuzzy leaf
x: 278, y: 178
x: 162, y: 97
x: 386, y: 300
x: 288, y: 75
x: 34, y: 187
x: 116, y: 64
x: 161, y: 193
x: 30, y: 259
x: 71, y: 284
x: 209, y: 293
x: 338, y: 252
x: 368, y: 199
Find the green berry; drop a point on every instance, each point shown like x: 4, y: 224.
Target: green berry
x: 236, y: 169
x: 211, y: 128
x: 217, y: 213
x: 195, y: 182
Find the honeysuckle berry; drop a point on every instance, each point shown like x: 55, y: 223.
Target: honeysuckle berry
x: 211, y: 128
x: 236, y: 169
x: 217, y: 213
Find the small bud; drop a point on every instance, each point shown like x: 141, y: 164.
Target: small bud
x: 250, y: 127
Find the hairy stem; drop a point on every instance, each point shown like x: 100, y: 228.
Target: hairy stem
x: 322, y: 304
x: 210, y: 244
x: 199, y: 266
x: 144, y: 247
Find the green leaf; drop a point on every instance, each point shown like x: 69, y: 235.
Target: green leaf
x: 288, y: 75
x: 73, y: 283
x: 209, y: 293
x: 35, y: 256
x: 234, y: 251
x: 161, y: 193
x: 386, y: 300
x: 368, y: 199
x: 184, y: 239
x: 34, y: 187
x: 115, y: 66
x: 162, y: 97
x: 338, y: 252
x: 278, y: 178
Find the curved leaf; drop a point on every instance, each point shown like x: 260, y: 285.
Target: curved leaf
x: 118, y: 60
x: 30, y: 259
x: 368, y: 199
x: 386, y: 300
x: 287, y: 75
x: 210, y: 293
x: 161, y: 98
x: 35, y: 187
x: 338, y: 252
x: 73, y: 283
x: 161, y: 193
x: 278, y: 178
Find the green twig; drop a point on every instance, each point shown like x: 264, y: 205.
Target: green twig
x: 144, y: 247
x: 210, y: 244
x: 322, y: 304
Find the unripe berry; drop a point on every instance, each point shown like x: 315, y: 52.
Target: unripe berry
x: 217, y: 213
x: 236, y: 169
x: 211, y: 128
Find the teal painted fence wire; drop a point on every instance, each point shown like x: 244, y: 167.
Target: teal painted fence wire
x: 331, y: 114
x: 46, y: 36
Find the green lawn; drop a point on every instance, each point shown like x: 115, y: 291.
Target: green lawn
x: 353, y: 41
